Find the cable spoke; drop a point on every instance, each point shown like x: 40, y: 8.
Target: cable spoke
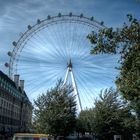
x: 43, y: 57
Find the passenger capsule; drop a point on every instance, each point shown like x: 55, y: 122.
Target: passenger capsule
x: 70, y: 14
x: 38, y: 21
x: 102, y: 23
x: 81, y: 15
x: 49, y: 17
x: 6, y: 64
x: 14, y: 43
x: 59, y: 14
x: 92, y: 18
x: 9, y: 53
x: 29, y: 27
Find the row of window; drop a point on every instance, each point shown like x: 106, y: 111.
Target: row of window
x: 9, y: 88
x: 14, y: 111
x: 9, y: 113
x: 11, y: 121
x: 8, y: 97
x: 9, y: 105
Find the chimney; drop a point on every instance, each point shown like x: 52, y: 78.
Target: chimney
x: 22, y: 85
x: 16, y: 79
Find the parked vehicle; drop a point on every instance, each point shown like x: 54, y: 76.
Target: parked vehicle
x: 27, y: 136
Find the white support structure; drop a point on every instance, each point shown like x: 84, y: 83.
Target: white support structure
x: 69, y: 71
x: 66, y: 77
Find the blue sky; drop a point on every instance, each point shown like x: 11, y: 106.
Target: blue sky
x: 15, y: 15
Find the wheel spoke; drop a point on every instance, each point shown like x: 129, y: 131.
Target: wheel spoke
x: 42, y: 55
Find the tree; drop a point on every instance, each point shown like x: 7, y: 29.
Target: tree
x: 84, y: 121
x: 55, y: 111
x: 111, y: 116
x: 126, y: 41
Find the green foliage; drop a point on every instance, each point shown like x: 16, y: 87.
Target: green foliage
x: 109, y: 116
x: 55, y: 111
x: 84, y: 121
x: 125, y: 41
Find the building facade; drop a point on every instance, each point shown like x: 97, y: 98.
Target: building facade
x: 15, y: 107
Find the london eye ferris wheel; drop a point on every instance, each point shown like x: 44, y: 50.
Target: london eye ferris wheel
x: 57, y: 47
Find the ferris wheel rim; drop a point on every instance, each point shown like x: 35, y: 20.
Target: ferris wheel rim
x: 40, y: 25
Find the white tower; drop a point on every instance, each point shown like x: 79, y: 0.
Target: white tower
x: 69, y: 71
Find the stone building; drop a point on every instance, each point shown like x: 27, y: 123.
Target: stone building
x: 15, y: 107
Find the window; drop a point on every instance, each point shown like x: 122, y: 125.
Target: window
x: 44, y: 139
x: 1, y: 102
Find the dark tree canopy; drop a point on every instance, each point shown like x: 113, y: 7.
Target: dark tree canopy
x: 84, y: 123
x: 126, y: 41
x: 110, y: 116
x: 55, y: 111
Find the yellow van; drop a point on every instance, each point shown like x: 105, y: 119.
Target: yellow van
x: 26, y: 136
